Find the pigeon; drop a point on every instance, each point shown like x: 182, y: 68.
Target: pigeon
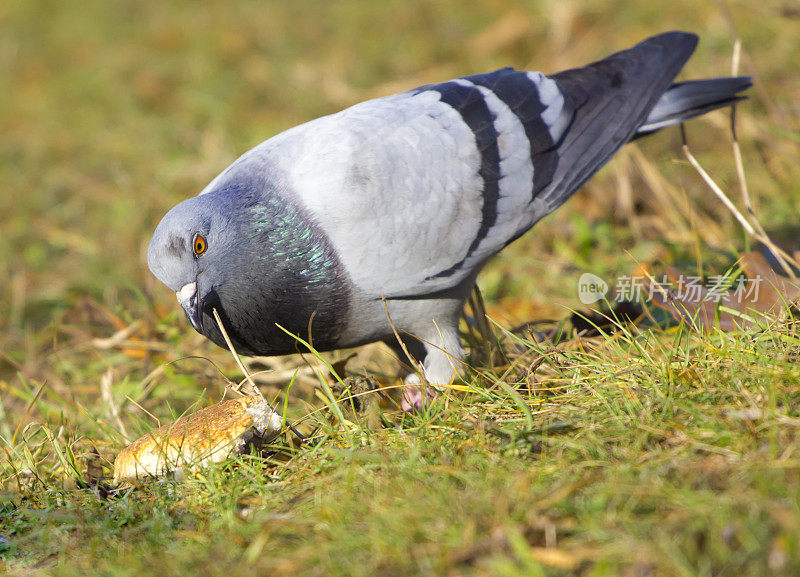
x: 372, y: 224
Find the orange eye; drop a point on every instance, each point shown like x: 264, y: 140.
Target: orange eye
x: 199, y: 244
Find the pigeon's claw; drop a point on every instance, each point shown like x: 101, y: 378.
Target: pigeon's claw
x: 443, y: 353
x: 418, y: 397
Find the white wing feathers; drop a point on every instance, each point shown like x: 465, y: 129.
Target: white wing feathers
x: 417, y: 190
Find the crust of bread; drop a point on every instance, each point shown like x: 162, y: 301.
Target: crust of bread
x: 208, y: 436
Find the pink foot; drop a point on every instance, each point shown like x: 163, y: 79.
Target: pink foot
x: 417, y: 397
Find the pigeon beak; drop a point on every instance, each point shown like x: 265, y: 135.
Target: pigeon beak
x: 187, y: 298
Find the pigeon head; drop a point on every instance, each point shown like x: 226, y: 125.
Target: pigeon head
x: 249, y: 251
x: 188, y: 250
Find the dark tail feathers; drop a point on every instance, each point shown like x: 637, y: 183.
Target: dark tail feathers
x: 685, y: 100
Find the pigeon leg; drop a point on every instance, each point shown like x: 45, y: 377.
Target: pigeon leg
x: 443, y: 353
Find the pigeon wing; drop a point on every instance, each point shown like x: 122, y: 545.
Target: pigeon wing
x: 416, y: 191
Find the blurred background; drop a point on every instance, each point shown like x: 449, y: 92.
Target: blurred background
x: 112, y: 112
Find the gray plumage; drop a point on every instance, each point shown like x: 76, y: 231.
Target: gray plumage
x: 406, y: 197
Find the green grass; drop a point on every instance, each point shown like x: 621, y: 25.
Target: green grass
x: 650, y: 451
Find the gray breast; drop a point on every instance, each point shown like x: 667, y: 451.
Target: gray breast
x: 284, y: 274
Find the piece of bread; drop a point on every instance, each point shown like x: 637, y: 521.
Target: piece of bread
x: 208, y: 436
